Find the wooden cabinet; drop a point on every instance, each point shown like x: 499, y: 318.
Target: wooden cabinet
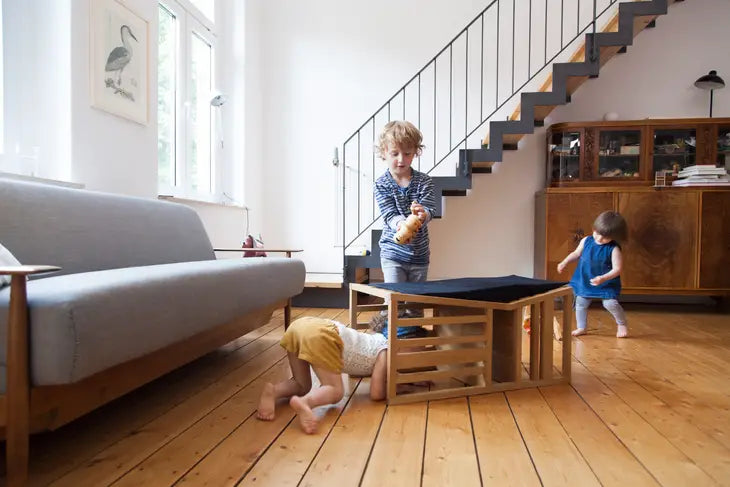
x: 679, y: 238
x: 629, y: 153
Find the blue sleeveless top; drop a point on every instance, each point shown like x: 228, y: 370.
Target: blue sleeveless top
x: 595, y: 260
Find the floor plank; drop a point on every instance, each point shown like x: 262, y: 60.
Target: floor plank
x: 449, y: 457
x: 503, y: 456
x: 288, y: 458
x: 341, y: 460
x: 651, y: 409
x: 398, y: 451
x: 610, y: 460
x: 665, y: 462
x: 557, y: 459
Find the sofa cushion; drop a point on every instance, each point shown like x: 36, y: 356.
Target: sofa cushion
x: 81, y: 230
x: 6, y: 259
x: 81, y: 324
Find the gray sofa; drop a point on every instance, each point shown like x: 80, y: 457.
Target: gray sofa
x: 140, y: 292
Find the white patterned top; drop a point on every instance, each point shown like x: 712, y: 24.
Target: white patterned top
x: 360, y: 350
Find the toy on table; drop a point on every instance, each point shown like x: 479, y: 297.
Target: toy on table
x: 408, y: 228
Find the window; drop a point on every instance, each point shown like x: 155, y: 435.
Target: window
x: 187, y: 153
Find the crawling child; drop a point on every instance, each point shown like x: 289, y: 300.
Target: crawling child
x: 330, y: 348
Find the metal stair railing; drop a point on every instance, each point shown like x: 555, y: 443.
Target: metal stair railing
x: 628, y: 13
x: 444, y: 111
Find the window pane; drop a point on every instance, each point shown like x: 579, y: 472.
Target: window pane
x: 207, y: 7
x: 166, y: 105
x: 201, y: 85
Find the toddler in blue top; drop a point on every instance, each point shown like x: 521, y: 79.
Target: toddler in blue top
x: 598, y: 274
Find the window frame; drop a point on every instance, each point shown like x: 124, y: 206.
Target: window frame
x: 189, y: 22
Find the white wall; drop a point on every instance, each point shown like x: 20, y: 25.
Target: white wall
x: 491, y: 231
x: 110, y: 153
x: 325, y: 66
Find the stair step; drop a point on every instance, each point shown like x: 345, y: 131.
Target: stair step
x: 478, y: 168
x: 454, y: 192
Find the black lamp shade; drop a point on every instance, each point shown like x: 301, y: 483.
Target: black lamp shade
x: 710, y: 81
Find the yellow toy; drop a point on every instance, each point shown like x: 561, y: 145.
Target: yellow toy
x: 526, y: 325
x: 407, y: 229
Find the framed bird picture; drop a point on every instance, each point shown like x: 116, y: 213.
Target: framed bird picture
x: 119, y: 60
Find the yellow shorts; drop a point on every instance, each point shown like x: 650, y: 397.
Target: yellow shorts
x: 315, y: 340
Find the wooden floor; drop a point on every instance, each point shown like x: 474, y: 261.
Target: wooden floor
x: 650, y: 410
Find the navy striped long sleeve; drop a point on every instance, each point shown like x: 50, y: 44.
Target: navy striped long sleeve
x: 395, y: 205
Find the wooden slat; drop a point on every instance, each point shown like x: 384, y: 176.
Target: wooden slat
x: 556, y: 458
x: 449, y: 457
x: 342, y: 459
x: 434, y: 375
x: 534, y: 341
x: 546, y: 340
x: 398, y: 452
x: 434, y: 341
x: 610, y: 460
x: 503, y: 456
x: 665, y: 462
x: 410, y: 360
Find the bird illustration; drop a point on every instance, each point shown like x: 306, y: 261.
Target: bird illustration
x: 121, y: 55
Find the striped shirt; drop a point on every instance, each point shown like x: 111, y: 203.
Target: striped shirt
x: 395, y: 204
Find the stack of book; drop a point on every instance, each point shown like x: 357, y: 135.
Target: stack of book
x: 702, y: 175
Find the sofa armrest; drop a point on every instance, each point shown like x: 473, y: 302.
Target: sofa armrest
x: 18, y: 381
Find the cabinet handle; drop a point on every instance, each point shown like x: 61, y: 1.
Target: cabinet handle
x: 578, y: 235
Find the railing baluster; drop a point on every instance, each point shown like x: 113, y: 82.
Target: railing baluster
x: 419, y: 113
x: 544, y: 59
x: 561, y: 24
x: 435, y: 64
x: 529, y: 42
x: 577, y: 21
x: 466, y: 87
x: 496, y: 89
x: 404, y: 104
x: 357, y: 176
x: 481, y: 74
x: 451, y: 90
x: 514, y: 2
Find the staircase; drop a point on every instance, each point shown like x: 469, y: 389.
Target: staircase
x: 623, y: 21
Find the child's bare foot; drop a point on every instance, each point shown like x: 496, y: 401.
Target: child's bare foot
x: 578, y: 332
x: 622, y: 331
x: 267, y: 404
x: 307, y: 419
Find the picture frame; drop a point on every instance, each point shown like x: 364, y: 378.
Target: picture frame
x: 119, y: 65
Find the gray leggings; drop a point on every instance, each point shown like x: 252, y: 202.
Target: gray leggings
x: 612, y: 305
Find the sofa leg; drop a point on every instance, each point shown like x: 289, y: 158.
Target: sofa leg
x: 18, y: 387
x: 287, y: 314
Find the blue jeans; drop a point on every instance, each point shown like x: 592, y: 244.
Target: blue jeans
x: 394, y: 271
x: 612, y: 305
x: 399, y: 272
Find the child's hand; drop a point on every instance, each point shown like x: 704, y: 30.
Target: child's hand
x: 418, y: 210
x: 561, y: 267
x: 598, y: 280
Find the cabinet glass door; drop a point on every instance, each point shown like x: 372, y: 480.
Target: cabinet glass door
x: 564, y: 156
x: 723, y: 146
x: 619, y: 153
x: 674, y: 149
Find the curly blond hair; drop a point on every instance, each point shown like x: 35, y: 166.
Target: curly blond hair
x: 400, y: 133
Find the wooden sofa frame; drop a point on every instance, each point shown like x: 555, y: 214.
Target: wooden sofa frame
x: 25, y: 409
x: 495, y: 354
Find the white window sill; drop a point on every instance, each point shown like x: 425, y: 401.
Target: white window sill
x: 36, y: 179
x: 188, y: 201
